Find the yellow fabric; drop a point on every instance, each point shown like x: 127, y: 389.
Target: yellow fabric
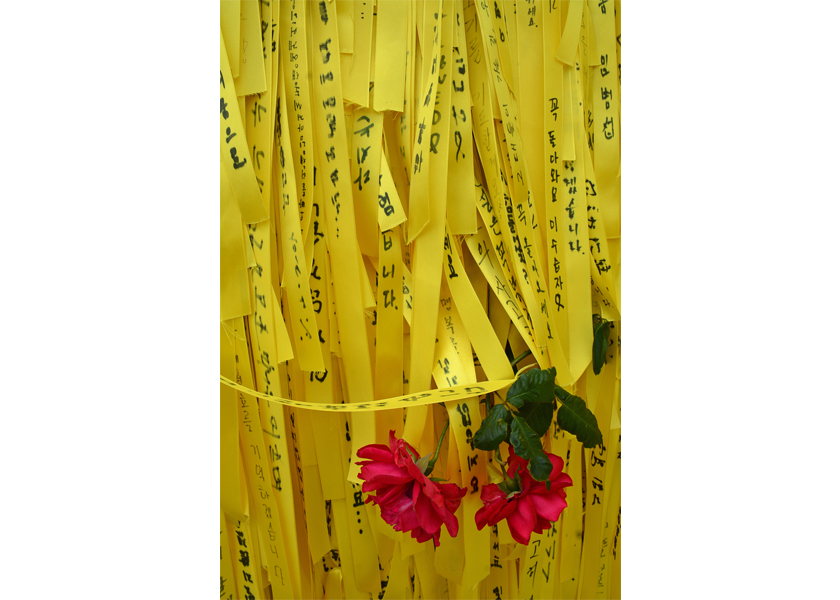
x: 409, y: 191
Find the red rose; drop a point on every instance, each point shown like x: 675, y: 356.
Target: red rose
x: 408, y: 500
x: 531, y: 509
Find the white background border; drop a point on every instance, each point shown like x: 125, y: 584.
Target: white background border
x: 109, y: 239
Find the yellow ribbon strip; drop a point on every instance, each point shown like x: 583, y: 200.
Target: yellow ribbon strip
x: 457, y: 392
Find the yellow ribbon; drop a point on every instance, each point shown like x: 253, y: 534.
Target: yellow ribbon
x: 458, y: 392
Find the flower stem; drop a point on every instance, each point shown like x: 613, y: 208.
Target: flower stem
x: 437, y: 450
x: 502, y: 466
x: 507, y: 404
x: 518, y: 358
x: 496, y: 469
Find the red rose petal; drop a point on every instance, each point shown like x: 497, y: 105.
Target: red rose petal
x: 548, y: 506
x: 515, y: 463
x: 556, y: 466
x: 491, y: 492
x: 508, y: 508
x: 407, y: 499
x: 409, y: 520
x: 426, y: 514
x: 522, y: 520
x: 451, y: 522
x: 390, y: 493
x: 376, y: 452
x: 377, y: 472
x: 450, y: 490
x: 541, y: 525
x: 563, y: 480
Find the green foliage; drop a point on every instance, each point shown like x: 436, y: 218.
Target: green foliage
x: 538, y: 416
x: 527, y: 412
x: 526, y: 443
x: 573, y: 416
x: 522, y: 420
x: 532, y: 386
x: 600, y: 343
x: 494, y: 429
x: 423, y: 464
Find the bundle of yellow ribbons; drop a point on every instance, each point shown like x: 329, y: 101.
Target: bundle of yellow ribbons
x: 412, y: 192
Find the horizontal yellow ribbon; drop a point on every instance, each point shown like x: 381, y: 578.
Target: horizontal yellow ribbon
x: 456, y: 392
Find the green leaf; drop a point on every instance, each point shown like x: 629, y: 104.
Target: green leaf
x: 573, y: 416
x: 423, y: 463
x: 538, y: 416
x: 508, y: 486
x: 494, y: 429
x: 532, y: 386
x: 527, y: 445
x: 600, y: 343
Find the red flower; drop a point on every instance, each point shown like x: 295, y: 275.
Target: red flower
x: 408, y: 500
x: 533, y: 508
